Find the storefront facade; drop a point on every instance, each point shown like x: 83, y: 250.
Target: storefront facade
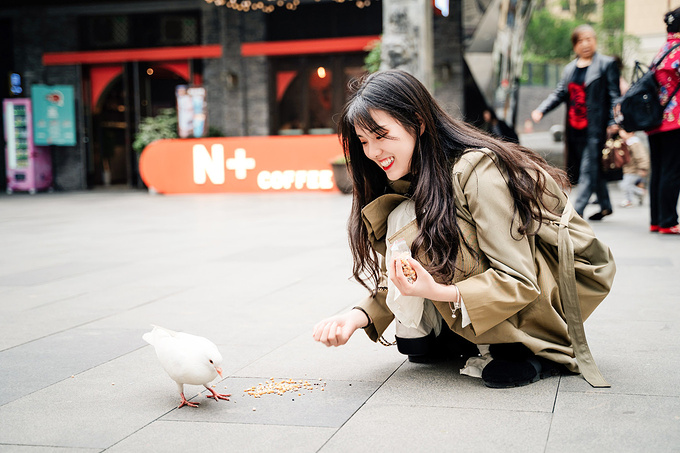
x: 283, y: 73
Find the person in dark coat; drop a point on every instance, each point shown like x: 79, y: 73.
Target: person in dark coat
x: 590, y: 88
x: 499, y: 128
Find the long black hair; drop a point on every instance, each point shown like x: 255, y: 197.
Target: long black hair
x: 441, y: 143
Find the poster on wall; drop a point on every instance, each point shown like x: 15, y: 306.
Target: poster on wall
x: 54, y: 120
x: 191, y: 111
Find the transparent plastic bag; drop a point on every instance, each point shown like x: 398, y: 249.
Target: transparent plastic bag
x: 402, y: 252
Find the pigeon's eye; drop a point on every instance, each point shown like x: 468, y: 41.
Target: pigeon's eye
x: 211, y: 361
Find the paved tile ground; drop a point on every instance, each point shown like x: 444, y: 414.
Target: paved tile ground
x: 83, y: 275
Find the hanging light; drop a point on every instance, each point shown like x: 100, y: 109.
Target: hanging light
x: 268, y: 6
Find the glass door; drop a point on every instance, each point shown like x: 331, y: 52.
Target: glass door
x: 309, y: 91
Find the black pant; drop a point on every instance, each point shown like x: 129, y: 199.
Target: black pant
x: 576, y: 143
x: 431, y: 348
x: 664, y: 182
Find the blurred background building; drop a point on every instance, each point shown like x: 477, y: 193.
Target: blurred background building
x: 644, y: 21
x: 279, y: 72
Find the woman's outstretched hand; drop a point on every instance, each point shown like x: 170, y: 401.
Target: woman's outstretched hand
x: 424, y: 286
x: 337, y: 330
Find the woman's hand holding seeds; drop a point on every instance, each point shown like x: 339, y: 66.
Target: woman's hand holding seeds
x: 421, y: 284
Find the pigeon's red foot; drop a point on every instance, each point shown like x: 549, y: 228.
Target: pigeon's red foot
x: 217, y: 395
x: 186, y: 403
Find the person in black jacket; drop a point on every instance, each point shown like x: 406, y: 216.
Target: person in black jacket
x: 497, y: 127
x: 590, y: 87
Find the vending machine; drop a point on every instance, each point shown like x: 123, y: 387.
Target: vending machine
x: 29, y: 167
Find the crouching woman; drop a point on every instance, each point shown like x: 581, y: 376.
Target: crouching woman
x: 492, y: 235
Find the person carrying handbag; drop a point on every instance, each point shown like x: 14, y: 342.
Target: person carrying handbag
x: 664, y: 141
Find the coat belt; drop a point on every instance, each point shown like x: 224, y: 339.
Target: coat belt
x: 571, y: 305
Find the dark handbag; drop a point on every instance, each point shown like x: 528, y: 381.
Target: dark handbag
x: 640, y: 107
x: 615, y: 155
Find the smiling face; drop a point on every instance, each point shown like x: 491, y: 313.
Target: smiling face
x: 390, y: 146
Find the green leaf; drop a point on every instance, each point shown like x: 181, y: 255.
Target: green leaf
x: 152, y: 128
x: 373, y: 58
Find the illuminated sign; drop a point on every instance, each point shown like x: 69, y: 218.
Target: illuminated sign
x: 240, y: 164
x: 15, y: 88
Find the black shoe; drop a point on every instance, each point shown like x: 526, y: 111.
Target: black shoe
x: 600, y: 215
x: 503, y: 374
x: 515, y: 352
x: 454, y: 345
x: 514, y: 365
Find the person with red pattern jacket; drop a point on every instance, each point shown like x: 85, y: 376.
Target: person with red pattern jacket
x: 664, y: 141
x: 590, y: 88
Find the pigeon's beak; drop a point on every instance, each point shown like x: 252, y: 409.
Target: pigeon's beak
x: 219, y: 371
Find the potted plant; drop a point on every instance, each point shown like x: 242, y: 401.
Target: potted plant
x: 373, y: 58
x: 152, y: 128
x: 343, y: 181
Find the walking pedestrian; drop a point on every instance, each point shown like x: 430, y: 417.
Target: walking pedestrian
x: 590, y: 87
x: 664, y: 141
x: 635, y: 172
x: 472, y: 209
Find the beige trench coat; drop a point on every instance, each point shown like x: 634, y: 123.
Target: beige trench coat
x: 510, y: 292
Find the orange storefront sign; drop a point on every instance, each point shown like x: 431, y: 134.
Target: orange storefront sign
x: 240, y: 164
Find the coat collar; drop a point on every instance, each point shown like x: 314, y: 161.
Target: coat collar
x: 401, y: 186
x: 593, y: 71
x: 375, y: 216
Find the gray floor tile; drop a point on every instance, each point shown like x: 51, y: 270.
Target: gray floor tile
x: 38, y: 364
x: 359, y: 359
x: 407, y: 428
x: 43, y: 275
x: 442, y: 385
x: 636, y: 357
x: 254, y: 274
x: 614, y: 423
x: 330, y: 404
x: 95, y: 408
x: 167, y: 436
x: 50, y: 317
x: 643, y: 293
x: 44, y: 449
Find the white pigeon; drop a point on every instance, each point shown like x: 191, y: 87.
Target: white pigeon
x: 188, y: 359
